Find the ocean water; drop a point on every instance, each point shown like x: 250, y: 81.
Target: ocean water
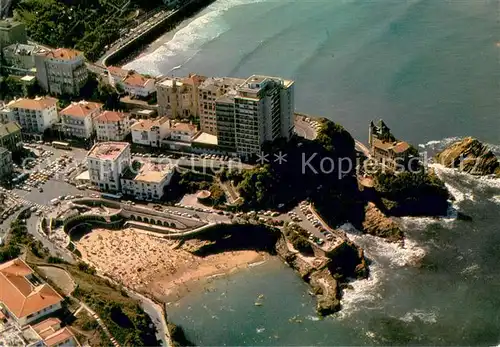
x: 430, y: 69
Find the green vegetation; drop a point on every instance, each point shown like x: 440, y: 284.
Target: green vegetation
x: 407, y: 193
x: 298, y: 238
x: 18, y: 240
x: 12, y: 87
x: 125, y: 319
x: 87, y: 25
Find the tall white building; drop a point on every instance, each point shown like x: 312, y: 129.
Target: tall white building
x: 106, y: 161
x: 78, y: 118
x: 33, y: 115
x: 261, y: 109
x: 61, y: 71
x: 112, y: 126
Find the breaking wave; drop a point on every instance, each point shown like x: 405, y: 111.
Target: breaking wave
x: 187, y: 42
x: 365, y: 293
x: 426, y: 317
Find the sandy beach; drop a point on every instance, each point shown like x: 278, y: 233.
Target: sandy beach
x: 161, y: 268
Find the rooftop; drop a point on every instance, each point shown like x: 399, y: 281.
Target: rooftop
x: 64, y: 54
x: 39, y: 103
x: 21, y: 296
x: 147, y: 124
x: 24, y: 49
x: 118, y: 71
x: 148, y: 172
x: 396, y: 147
x: 183, y: 127
x: 81, y: 108
x: 256, y: 82
x: 9, y: 128
x: 108, y: 150
x: 111, y: 116
x: 213, y: 83
x: 136, y: 80
x: 205, y: 138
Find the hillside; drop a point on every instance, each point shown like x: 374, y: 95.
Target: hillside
x: 87, y: 25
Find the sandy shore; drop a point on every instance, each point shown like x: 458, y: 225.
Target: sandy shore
x: 156, y: 266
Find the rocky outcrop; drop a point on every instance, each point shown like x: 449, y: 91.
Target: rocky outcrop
x: 326, y: 275
x: 378, y: 224
x: 326, y: 289
x: 470, y: 156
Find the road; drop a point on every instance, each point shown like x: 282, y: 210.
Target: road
x: 360, y: 147
x: 304, y: 129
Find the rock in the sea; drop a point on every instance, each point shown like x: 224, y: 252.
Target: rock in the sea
x: 470, y: 156
x: 378, y: 224
x: 327, y: 291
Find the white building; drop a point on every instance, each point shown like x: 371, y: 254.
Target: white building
x: 78, y: 118
x: 61, y: 71
x: 33, y: 115
x: 261, y: 109
x: 20, y: 58
x: 106, y: 161
x: 150, y: 132
x: 22, y: 296
x: 146, y: 181
x: 183, y: 132
x: 112, y: 126
x: 132, y: 82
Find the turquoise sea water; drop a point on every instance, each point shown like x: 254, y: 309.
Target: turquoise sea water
x: 430, y: 68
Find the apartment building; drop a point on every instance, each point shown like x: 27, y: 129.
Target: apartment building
x: 20, y: 58
x: 178, y: 97
x: 132, y: 82
x: 23, y: 297
x: 5, y: 163
x: 226, y: 126
x: 150, y: 132
x: 61, y: 71
x: 260, y: 109
x: 146, y: 181
x: 10, y: 136
x: 183, y: 132
x: 112, y: 126
x: 211, y: 89
x: 78, y: 118
x: 106, y: 161
x: 33, y: 115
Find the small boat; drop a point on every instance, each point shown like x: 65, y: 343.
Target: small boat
x: 258, y: 303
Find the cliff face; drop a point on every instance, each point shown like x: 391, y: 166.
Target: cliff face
x: 378, y: 224
x: 470, y: 156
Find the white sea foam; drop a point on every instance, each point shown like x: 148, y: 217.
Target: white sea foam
x: 365, y: 293
x: 471, y: 269
x: 426, y: 317
x: 438, y: 145
x: 496, y: 199
x: 188, y: 40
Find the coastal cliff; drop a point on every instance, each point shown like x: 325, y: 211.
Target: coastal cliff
x: 378, y: 224
x: 470, y: 156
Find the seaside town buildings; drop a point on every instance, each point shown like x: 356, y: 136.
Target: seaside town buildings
x: 178, y: 97
x: 26, y: 307
x: 61, y: 71
x: 23, y: 297
x: 10, y: 136
x: 19, y: 58
x: 259, y: 110
x: 78, y: 118
x: 146, y: 181
x: 210, y: 90
x: 106, y: 161
x: 33, y: 115
x: 112, y: 126
x: 131, y: 82
x: 150, y: 132
x: 385, y: 148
